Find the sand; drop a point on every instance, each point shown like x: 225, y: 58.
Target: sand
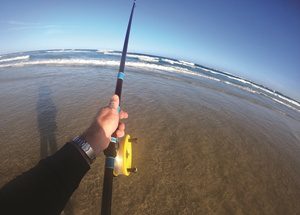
x: 203, y: 148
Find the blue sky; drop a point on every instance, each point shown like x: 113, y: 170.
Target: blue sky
x: 258, y: 40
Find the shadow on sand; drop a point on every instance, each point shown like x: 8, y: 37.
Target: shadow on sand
x: 47, y: 111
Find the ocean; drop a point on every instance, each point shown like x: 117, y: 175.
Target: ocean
x: 209, y: 142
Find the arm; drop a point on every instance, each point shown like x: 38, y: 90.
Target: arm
x: 46, y: 188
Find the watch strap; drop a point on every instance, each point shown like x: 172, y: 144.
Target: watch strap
x: 85, y: 147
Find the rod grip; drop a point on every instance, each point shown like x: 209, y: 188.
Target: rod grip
x: 107, y: 192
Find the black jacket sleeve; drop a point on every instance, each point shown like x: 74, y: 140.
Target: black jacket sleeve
x: 46, y: 188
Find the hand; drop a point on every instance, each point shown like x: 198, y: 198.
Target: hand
x: 106, y: 122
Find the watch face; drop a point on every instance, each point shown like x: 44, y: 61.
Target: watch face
x: 85, y: 147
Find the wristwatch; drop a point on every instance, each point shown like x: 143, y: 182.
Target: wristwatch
x: 85, y: 149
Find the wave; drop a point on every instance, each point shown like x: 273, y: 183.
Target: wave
x: 62, y: 62
x: 264, y: 94
x: 185, y: 63
x: 181, y: 62
x: 265, y: 90
x: 254, y: 86
x: 55, y: 51
x: 169, y: 61
x: 104, y: 50
x: 67, y: 51
x: 96, y: 62
x: 148, y: 58
x: 144, y: 57
x: 283, y: 103
x: 138, y: 56
x: 241, y: 87
x: 153, y: 66
x: 111, y: 53
x: 25, y: 57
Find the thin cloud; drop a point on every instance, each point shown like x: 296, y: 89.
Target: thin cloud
x: 14, y: 22
x: 13, y: 25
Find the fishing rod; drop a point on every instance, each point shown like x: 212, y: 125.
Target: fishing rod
x: 118, y: 155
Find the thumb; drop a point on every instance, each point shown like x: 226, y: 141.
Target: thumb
x: 114, y: 102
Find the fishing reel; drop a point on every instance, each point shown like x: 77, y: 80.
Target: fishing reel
x: 123, y: 160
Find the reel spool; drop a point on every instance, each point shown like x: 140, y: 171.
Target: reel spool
x: 123, y: 160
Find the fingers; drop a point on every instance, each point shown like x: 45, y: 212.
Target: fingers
x: 121, y: 126
x: 121, y: 130
x: 114, y: 105
x: 120, y: 133
x: 123, y: 115
x: 114, y: 102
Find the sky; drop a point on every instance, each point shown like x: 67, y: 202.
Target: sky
x: 257, y: 40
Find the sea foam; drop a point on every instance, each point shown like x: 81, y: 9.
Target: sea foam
x: 181, y: 62
x: 67, y: 51
x: 96, y: 62
x: 150, y: 63
x: 138, y: 56
x: 26, y: 57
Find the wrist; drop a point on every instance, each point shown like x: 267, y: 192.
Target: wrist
x: 85, y: 149
x: 97, y: 140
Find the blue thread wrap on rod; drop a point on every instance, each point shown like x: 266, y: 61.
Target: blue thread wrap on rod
x: 114, y: 140
x: 121, y: 75
x: 110, y: 162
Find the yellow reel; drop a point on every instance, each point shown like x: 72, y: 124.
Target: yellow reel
x: 123, y: 160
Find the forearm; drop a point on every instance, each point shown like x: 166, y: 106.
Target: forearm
x: 46, y: 188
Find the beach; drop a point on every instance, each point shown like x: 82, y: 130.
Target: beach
x: 204, y: 147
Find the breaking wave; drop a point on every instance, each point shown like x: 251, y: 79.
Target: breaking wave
x: 68, y: 51
x: 180, y: 62
x: 137, y: 56
x: 152, y: 63
x: 104, y: 50
x: 26, y: 57
x: 185, y: 63
x: 266, y: 95
x: 254, y: 86
x: 96, y: 62
x: 144, y: 57
x: 62, y: 62
x: 169, y: 61
x: 111, y: 53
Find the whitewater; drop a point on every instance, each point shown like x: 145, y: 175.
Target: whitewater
x: 80, y: 57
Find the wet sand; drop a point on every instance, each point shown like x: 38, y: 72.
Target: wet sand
x: 204, y: 148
